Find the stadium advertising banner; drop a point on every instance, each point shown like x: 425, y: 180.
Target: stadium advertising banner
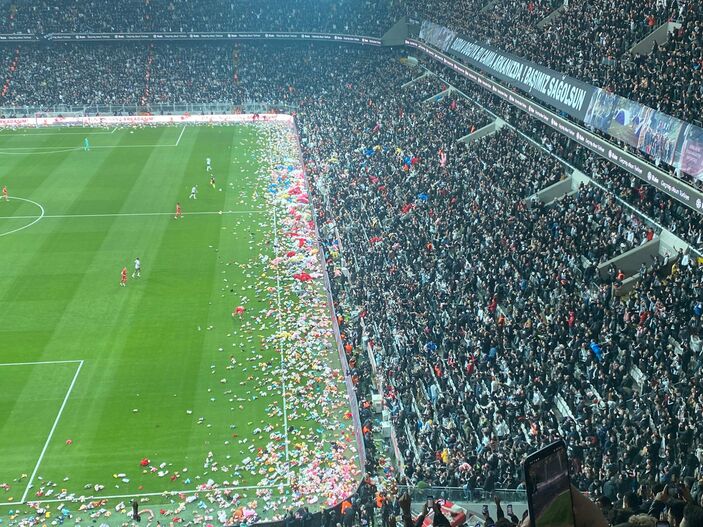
x: 690, y: 156
x: 657, y: 134
x: 107, y: 37
x: 566, y: 94
x: 16, y: 37
x: 671, y: 186
x: 436, y: 35
x: 143, y: 120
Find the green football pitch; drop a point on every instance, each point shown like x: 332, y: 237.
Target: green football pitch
x: 95, y: 377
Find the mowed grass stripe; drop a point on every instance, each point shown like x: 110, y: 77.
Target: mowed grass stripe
x: 40, y: 293
x: 238, y: 268
x: 102, y: 404
x: 23, y: 429
x: 22, y: 175
x: 70, y: 248
x: 109, y: 174
x: 141, y: 344
x: 35, y: 291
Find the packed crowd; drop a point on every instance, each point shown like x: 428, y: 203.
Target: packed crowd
x: 591, y: 40
x: 368, y: 17
x: 663, y: 209
x: 485, y: 316
x: 491, y: 335
x: 48, y: 76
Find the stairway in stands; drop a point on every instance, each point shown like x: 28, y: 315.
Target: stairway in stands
x: 147, y: 75
x: 10, y: 66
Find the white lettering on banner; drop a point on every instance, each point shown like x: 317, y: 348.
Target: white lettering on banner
x: 622, y: 159
x: 534, y: 78
x: 31, y: 122
x: 508, y: 67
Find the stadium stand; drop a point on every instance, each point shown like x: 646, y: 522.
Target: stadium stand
x: 591, y: 40
x: 655, y: 204
x: 75, y: 16
x: 67, y: 74
x: 483, y: 308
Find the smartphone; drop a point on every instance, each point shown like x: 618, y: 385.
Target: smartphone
x: 548, y: 487
x: 662, y: 523
x: 484, y: 510
x: 430, y: 502
x: 510, y: 509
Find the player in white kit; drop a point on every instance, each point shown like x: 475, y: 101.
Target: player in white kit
x: 193, y: 193
x: 137, y: 268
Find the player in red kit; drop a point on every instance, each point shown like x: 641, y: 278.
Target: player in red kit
x: 4, y: 193
x: 179, y: 214
x: 123, y: 281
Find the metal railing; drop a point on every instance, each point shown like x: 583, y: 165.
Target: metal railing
x: 420, y: 493
x: 222, y: 107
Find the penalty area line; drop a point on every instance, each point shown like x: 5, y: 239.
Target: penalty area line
x: 178, y: 142
x: 76, y: 361
x: 51, y: 432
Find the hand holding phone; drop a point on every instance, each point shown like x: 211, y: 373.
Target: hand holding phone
x: 586, y: 512
x: 430, y: 503
x: 548, y: 486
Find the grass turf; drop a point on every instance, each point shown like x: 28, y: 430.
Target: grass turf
x: 167, y: 373
x: 558, y: 513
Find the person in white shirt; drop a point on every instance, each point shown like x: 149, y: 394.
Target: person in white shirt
x: 685, y: 260
x: 137, y: 268
x: 193, y: 193
x: 208, y: 164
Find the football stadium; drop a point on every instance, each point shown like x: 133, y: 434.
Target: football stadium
x: 318, y: 263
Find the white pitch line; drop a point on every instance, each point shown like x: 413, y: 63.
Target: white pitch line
x: 51, y: 433
x: 280, y: 346
x: 60, y: 151
x: 24, y: 150
x: 130, y: 214
x: 43, y: 150
x: 178, y: 142
x: 40, y: 362
x: 42, y: 134
x: 130, y: 146
x: 36, y: 218
x: 165, y: 493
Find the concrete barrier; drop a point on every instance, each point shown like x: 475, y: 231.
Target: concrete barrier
x: 556, y: 191
x: 658, y: 36
x: 629, y: 262
x: 397, y: 34
x: 413, y: 81
x: 551, y: 17
x: 489, y: 129
x: 488, y: 6
x: 440, y: 95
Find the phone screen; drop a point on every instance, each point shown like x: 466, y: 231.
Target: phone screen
x: 510, y: 509
x: 549, y: 488
x: 430, y: 502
